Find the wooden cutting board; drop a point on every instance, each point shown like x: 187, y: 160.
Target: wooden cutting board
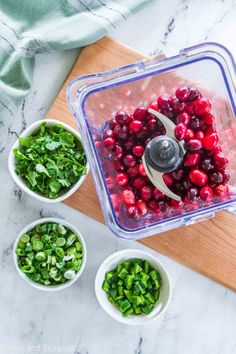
x: 208, y: 247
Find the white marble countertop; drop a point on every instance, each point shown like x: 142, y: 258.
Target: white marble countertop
x: 201, y: 317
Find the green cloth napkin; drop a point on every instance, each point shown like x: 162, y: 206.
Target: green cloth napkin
x: 28, y: 27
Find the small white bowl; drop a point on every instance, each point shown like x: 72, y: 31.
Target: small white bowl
x: 109, y: 264
x: 21, y: 183
x: 50, y: 287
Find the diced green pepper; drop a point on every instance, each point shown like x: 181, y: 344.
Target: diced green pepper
x: 105, y: 286
x: 137, y: 268
x: 128, y: 312
x: 124, y: 305
x: 149, y: 298
x: 123, y: 273
x: 129, y: 281
x: 153, y: 275
x: 147, y: 309
x: 137, y: 300
x: 133, y: 286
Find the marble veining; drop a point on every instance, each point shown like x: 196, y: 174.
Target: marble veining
x: 201, y: 317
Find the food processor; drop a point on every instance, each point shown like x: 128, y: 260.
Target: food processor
x: 160, y: 137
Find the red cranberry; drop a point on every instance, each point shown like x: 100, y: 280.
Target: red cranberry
x: 191, y: 159
x: 116, y: 202
x: 206, y: 193
x: 210, y: 141
x: 98, y: 145
x: 109, y: 133
x: 122, y: 117
x: 208, y: 118
x: 198, y: 177
x: 117, y: 153
x: 142, y: 206
x: 143, y: 134
x: 216, y: 177
x: 182, y: 93
x: 207, y: 165
x: 136, y: 126
x: 133, y: 212
x: 209, y: 129
x: 147, y: 141
x: 153, y: 105
x: 193, y: 94
x: 163, y: 206
x: 128, y: 197
x: 110, y: 182
x: 217, y: 148
x: 168, y: 112
x: 152, y: 124
x: 180, y: 131
x: 155, y: 134
x: 112, y: 123
x: 121, y: 132
x: 157, y: 194
x: 226, y: 177
x: 163, y: 101
x: 202, y: 106
x: 189, y: 134
x: 189, y: 107
x: 122, y: 179
x: 199, y: 135
x: 118, y: 165
x: 183, y: 118
x: 140, y: 113
x: 139, y: 182
x: 194, y: 145
x: 221, y: 190
x: 141, y: 170
x: 192, y: 194
x: 129, y: 160
x: 179, y: 188
x: 146, y: 192
x: 138, y: 150
x: 129, y: 144
x: 189, y: 205
x: 109, y: 143
x: 195, y: 123
x: 187, y: 184
x: 153, y: 205
x: 178, y: 106
x: 220, y: 160
x: 178, y: 174
x: 133, y: 171
x: 168, y: 179
x: 176, y: 203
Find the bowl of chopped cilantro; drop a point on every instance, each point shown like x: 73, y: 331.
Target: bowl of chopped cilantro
x: 48, y: 161
x: 133, y: 287
x: 50, y: 254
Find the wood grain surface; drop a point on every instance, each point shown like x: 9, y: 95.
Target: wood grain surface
x: 208, y: 247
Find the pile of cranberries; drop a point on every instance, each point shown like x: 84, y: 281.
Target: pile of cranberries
x: 202, y: 175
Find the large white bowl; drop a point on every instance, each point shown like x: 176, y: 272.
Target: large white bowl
x: 109, y: 264
x: 21, y: 183
x: 50, y: 287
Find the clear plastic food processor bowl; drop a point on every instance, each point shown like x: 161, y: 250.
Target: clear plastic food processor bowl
x: 94, y: 99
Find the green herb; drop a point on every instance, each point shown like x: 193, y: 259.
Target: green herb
x: 50, y: 161
x: 133, y: 287
x: 48, y: 258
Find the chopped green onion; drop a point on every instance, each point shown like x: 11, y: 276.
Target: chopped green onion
x: 25, y: 238
x: 50, y: 254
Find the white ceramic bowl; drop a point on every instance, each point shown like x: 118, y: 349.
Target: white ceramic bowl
x: 21, y: 183
x: 109, y: 264
x: 50, y: 287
